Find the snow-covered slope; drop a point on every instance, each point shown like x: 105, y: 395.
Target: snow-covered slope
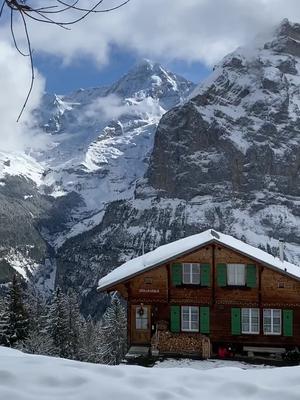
x: 102, y: 139
x: 30, y: 377
x: 20, y: 164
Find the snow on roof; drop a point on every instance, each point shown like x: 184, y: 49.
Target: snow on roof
x: 183, y: 246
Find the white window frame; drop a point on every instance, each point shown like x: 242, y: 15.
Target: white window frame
x: 141, y: 321
x: 271, y: 310
x: 236, y: 274
x: 251, y: 317
x: 191, y: 326
x: 191, y: 273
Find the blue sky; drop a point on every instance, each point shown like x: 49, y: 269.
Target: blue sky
x: 84, y: 72
x: 186, y: 36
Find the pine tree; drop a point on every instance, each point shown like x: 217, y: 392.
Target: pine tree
x: 39, y: 340
x: 17, y: 322
x: 65, y: 324
x: 57, y: 324
x: 114, y: 333
x: 4, y: 322
x: 75, y: 325
x: 90, y: 342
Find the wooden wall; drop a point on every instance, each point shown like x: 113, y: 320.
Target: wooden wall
x: 190, y: 294
x: 273, y: 290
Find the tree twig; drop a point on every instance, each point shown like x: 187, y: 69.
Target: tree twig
x: 42, y: 15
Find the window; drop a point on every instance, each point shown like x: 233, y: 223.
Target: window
x: 250, y: 320
x: 190, y: 319
x: 236, y: 274
x: 272, y: 321
x: 191, y: 273
x: 141, y: 318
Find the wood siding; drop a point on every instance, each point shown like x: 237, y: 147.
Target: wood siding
x: 273, y: 289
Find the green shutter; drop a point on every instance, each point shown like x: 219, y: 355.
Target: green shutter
x: 204, y: 320
x: 176, y: 274
x: 287, y: 322
x: 221, y: 274
x: 251, y: 275
x: 236, y: 321
x: 175, y: 318
x: 205, y: 274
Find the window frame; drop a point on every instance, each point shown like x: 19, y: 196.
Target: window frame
x: 272, y: 321
x: 236, y: 266
x: 182, y: 312
x: 191, y: 273
x: 251, y: 317
x: 142, y: 319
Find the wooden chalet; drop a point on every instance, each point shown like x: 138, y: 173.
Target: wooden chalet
x: 206, y: 291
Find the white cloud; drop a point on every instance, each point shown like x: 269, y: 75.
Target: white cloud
x: 192, y: 30
x: 14, y: 83
x: 112, y: 107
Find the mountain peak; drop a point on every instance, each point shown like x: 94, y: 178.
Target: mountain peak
x: 286, y: 39
x: 147, y: 78
x: 144, y: 63
x: 288, y: 29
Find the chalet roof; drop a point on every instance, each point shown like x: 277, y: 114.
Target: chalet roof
x: 184, y: 246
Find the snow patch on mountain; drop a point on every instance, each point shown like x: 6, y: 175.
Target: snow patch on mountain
x: 20, y: 164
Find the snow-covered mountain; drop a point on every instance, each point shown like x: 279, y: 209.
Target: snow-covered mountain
x: 98, y: 144
x: 122, y: 174
x: 229, y: 157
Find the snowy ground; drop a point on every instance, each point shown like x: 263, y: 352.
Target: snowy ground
x: 206, y: 364
x: 27, y: 377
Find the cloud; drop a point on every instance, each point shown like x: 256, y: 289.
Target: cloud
x: 14, y: 82
x: 112, y: 107
x: 168, y: 30
x: 190, y: 30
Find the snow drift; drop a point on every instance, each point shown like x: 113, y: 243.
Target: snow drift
x: 28, y: 377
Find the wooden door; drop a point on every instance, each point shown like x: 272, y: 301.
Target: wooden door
x: 140, y: 324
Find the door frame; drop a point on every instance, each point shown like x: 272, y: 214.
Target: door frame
x: 140, y: 336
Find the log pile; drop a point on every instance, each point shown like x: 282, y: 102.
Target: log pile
x: 182, y: 344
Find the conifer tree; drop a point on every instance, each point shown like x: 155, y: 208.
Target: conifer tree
x: 39, y: 340
x: 57, y: 324
x: 75, y: 325
x: 17, y: 322
x: 65, y: 324
x: 4, y: 320
x: 114, y: 333
x: 90, y: 342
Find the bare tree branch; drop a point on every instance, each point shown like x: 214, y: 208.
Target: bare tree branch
x: 25, y: 12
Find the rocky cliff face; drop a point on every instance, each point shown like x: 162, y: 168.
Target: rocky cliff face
x: 239, y: 133
x: 228, y: 158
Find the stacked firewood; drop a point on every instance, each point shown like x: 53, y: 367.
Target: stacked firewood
x: 180, y: 344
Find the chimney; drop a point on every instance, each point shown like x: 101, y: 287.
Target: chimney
x: 281, y: 249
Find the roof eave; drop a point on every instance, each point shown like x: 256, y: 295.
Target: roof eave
x: 102, y: 289
x: 263, y: 262
x: 213, y: 240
